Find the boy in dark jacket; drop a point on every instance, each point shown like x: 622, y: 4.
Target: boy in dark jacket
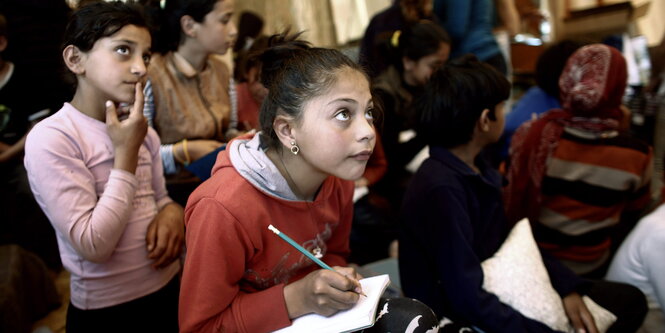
x: 453, y: 216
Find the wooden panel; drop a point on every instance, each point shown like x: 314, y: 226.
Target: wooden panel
x: 524, y: 57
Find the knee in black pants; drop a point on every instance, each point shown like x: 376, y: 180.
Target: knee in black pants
x: 625, y: 301
x: 396, y: 314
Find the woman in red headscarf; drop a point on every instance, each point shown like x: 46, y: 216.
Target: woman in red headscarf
x: 575, y: 173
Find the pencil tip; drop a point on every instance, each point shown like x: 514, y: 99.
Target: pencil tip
x: 273, y: 229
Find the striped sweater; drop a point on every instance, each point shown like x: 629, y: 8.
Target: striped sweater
x: 591, y: 179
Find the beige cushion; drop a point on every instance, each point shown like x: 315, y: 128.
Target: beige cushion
x: 516, y: 274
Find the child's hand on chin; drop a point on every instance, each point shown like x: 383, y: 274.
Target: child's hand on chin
x: 128, y: 135
x: 123, y: 110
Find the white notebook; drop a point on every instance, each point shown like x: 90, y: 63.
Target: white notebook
x: 358, y: 317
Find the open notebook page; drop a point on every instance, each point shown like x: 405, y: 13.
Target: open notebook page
x: 360, y: 316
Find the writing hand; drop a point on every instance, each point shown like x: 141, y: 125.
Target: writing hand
x: 323, y: 291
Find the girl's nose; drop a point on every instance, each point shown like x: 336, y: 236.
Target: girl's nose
x: 233, y: 31
x: 366, y: 130
x: 139, y: 67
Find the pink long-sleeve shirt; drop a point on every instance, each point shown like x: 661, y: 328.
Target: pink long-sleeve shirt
x: 100, y: 214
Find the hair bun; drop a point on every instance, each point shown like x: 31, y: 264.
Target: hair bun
x: 282, y: 48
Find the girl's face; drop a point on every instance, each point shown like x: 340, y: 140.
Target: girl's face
x: 336, y: 132
x: 418, y: 72
x: 111, y: 69
x: 217, y: 32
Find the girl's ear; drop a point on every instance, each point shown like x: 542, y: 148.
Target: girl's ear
x: 484, y: 121
x: 74, y: 59
x: 3, y: 43
x: 408, y: 64
x: 284, y: 128
x: 253, y: 74
x: 188, y: 26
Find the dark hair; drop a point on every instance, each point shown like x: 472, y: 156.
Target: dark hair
x: 247, y: 59
x: 250, y: 58
x: 97, y: 20
x: 168, y: 31
x: 249, y: 27
x: 415, y: 41
x: 413, y: 10
x: 455, y: 97
x: 294, y: 73
x: 551, y: 62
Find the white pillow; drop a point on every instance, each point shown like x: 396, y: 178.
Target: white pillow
x: 516, y: 274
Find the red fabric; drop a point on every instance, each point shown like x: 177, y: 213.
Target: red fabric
x: 577, y: 253
x: 377, y: 165
x: 593, y: 82
x: 236, y: 268
x: 248, y: 108
x: 592, y: 85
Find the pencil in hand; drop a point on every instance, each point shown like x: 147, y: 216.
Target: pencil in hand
x: 307, y: 253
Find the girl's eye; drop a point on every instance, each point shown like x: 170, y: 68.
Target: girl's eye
x: 369, y: 114
x: 343, y: 115
x: 124, y: 50
x: 146, y: 59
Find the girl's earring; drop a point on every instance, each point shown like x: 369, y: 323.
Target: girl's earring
x: 294, y: 148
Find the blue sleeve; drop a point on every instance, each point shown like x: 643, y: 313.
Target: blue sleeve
x: 455, y: 15
x: 460, y: 269
x: 166, y: 150
x: 531, y: 105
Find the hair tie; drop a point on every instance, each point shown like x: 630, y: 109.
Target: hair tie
x: 394, y: 40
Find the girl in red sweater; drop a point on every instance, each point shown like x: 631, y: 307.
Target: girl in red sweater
x: 317, y: 134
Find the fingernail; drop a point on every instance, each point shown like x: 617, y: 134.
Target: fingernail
x: 109, y: 104
x: 581, y: 330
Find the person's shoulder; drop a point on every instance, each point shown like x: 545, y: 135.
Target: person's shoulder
x: 628, y: 140
x: 55, y: 133
x: 227, y: 188
x: 653, y: 224
x: 435, y: 174
x: 60, y: 121
x: 218, y: 63
x: 158, y: 65
x: 157, y: 59
x: 381, y: 17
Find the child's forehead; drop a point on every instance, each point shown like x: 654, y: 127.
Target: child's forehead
x: 130, y: 33
x: 350, y: 78
x: 349, y: 85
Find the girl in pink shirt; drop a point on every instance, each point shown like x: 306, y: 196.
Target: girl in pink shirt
x: 95, y: 169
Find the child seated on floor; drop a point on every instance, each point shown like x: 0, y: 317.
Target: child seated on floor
x: 317, y: 134
x: 453, y: 216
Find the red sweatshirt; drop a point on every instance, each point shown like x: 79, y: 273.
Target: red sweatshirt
x: 236, y: 269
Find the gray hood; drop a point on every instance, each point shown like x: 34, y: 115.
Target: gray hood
x: 248, y: 157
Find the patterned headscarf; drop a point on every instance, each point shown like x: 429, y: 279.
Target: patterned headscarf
x: 593, y: 82
x: 592, y: 86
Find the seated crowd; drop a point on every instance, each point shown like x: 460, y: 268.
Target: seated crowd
x: 154, y: 181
